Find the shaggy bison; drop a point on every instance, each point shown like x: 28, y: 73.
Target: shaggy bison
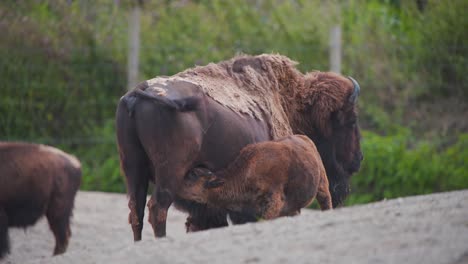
x: 37, y: 180
x: 204, y: 116
x: 267, y: 180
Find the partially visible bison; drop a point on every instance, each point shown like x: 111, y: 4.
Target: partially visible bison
x: 37, y: 180
x: 204, y: 116
x: 267, y: 180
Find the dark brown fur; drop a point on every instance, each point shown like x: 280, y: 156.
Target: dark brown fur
x: 37, y: 180
x: 160, y: 143
x: 271, y: 179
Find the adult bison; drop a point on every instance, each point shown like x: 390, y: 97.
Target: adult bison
x: 204, y: 116
x: 37, y: 180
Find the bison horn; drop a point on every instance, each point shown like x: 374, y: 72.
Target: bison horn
x: 356, y: 91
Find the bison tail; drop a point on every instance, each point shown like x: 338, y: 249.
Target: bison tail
x: 186, y: 104
x: 4, y: 242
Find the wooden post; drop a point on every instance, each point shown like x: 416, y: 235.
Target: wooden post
x: 133, y: 46
x: 335, y: 49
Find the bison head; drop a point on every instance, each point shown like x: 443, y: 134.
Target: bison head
x: 196, y: 181
x: 328, y: 116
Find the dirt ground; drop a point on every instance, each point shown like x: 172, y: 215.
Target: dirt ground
x: 421, y: 229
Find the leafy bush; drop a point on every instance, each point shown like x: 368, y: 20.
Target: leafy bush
x: 440, y: 47
x: 101, y: 170
x: 57, y: 83
x: 394, y: 167
x: 404, y: 58
x: 199, y: 33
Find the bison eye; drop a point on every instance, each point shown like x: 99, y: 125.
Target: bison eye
x: 191, y: 176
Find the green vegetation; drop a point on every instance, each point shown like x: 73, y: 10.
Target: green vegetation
x: 57, y: 82
x: 63, y: 70
x: 394, y: 168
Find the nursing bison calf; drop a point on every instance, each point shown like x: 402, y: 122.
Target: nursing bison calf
x: 37, y: 180
x: 268, y: 180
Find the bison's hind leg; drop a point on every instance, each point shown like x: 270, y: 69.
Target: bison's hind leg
x: 62, y: 233
x: 4, y: 243
x: 201, y: 216
x: 247, y: 215
x: 323, y: 195
x: 158, y: 206
x: 272, y: 207
x: 135, y: 165
x: 58, y: 216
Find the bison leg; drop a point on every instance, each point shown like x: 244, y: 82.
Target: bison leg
x: 205, y: 218
x: 239, y: 218
x: 201, y: 217
x: 137, y: 176
x: 135, y: 166
x: 158, y: 206
x: 58, y: 216
x: 274, y: 205
x: 137, y: 189
x: 62, y: 233
x: 323, y: 195
x: 4, y: 243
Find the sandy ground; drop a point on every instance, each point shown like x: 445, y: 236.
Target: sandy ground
x: 420, y: 229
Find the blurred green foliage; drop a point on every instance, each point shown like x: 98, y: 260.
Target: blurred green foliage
x: 394, y: 167
x: 56, y: 81
x: 63, y: 70
x: 102, y: 170
x: 198, y: 33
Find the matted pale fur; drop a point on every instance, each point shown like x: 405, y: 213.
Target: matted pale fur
x: 249, y: 85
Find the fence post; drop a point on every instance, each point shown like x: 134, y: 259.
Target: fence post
x: 133, y: 46
x: 335, y: 49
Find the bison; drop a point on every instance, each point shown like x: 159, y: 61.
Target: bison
x: 204, y: 116
x: 267, y: 180
x: 37, y: 180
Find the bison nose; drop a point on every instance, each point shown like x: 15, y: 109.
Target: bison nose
x: 361, y: 157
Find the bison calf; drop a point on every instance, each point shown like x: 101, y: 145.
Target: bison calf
x: 37, y: 180
x: 266, y: 180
